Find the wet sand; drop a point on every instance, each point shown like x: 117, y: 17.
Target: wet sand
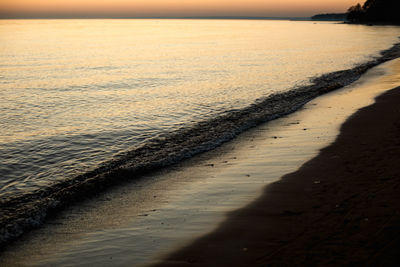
x: 340, y: 208
x: 141, y: 222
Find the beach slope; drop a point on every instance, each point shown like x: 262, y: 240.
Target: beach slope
x: 340, y: 208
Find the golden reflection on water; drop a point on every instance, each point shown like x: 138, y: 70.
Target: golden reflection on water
x: 123, y: 81
x: 54, y: 70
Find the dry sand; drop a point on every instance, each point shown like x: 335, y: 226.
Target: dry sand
x: 340, y: 208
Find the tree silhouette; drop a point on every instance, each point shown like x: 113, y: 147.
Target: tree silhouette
x: 355, y: 13
x: 385, y: 11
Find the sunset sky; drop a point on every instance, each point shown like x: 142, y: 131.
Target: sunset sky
x: 177, y: 7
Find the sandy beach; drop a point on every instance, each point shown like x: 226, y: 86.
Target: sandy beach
x: 328, y: 199
x: 340, y: 208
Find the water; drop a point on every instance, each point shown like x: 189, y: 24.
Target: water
x: 76, y: 93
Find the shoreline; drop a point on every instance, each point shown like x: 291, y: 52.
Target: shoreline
x: 141, y: 222
x: 22, y: 214
x: 340, y: 208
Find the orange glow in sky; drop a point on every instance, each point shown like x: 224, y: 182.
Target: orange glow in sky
x: 179, y: 7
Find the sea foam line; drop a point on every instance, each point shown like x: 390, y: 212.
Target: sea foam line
x: 20, y: 214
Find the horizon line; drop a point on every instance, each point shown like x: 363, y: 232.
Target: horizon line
x: 153, y: 17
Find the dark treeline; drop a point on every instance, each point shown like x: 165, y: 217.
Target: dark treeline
x: 330, y: 17
x: 375, y: 11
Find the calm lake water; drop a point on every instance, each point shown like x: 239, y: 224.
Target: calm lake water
x: 75, y: 93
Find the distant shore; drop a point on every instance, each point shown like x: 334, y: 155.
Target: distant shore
x: 340, y: 208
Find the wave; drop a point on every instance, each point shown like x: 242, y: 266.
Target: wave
x: 22, y: 213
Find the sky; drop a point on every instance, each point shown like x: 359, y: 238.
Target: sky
x: 176, y: 8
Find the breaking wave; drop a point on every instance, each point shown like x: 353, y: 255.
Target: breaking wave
x: 19, y: 214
